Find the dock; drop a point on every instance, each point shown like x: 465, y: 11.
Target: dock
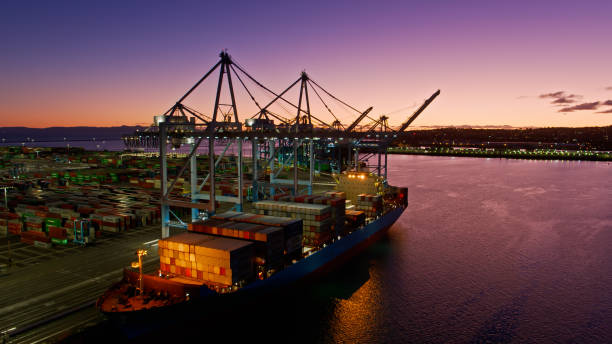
x: 50, y: 293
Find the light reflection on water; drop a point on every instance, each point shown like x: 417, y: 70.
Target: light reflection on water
x: 498, y: 250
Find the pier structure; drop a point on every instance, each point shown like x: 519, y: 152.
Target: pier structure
x: 276, y: 142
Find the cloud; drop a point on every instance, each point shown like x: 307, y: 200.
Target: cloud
x: 563, y: 100
x: 608, y: 103
x: 609, y: 88
x: 583, y: 106
x: 560, y: 97
x: 558, y: 94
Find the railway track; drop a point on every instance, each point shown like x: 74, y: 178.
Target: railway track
x: 49, y: 293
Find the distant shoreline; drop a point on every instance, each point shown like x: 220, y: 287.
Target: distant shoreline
x: 507, y: 154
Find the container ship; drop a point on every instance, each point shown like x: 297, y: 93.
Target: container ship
x: 236, y: 254
x: 283, y: 225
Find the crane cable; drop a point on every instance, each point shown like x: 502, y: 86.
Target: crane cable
x: 327, y: 107
x: 340, y: 101
x: 243, y: 85
x: 290, y: 103
x: 264, y: 87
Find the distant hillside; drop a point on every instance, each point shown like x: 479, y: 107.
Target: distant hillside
x: 585, y: 138
x: 70, y: 133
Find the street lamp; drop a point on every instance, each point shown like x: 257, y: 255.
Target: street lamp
x: 138, y: 265
x: 8, y: 241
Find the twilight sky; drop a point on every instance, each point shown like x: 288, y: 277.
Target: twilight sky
x: 519, y: 63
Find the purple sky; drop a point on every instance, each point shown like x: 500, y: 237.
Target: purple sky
x: 113, y: 63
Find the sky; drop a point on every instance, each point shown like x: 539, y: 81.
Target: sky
x: 109, y: 63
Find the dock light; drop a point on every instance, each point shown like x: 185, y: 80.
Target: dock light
x: 159, y: 119
x: 138, y: 264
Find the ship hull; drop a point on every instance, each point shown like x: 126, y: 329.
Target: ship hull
x: 136, y: 323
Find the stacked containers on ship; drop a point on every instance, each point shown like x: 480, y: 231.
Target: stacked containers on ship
x: 354, y: 219
x: 292, y: 229
x: 211, y: 259
x: 293, y: 232
x: 337, y: 202
x: 370, y: 204
x: 268, y: 242
x: 316, y: 219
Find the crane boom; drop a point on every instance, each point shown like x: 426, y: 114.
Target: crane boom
x: 418, y: 111
x: 359, y: 119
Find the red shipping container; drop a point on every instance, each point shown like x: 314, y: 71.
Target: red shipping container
x: 57, y: 233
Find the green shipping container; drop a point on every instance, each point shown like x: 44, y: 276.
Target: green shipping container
x: 50, y: 221
x: 59, y: 241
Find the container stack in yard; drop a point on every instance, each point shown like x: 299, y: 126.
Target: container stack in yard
x: 115, y: 192
x: 14, y: 224
x: 3, y: 224
x: 217, y: 261
x: 49, y: 215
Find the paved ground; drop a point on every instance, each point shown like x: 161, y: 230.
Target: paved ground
x: 49, y: 292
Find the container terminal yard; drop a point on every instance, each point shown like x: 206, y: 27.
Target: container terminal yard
x: 72, y: 220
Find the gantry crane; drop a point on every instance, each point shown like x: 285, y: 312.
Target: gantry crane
x: 300, y: 132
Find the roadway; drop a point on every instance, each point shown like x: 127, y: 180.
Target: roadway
x: 49, y: 293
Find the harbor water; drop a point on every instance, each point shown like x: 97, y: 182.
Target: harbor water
x: 489, y: 250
